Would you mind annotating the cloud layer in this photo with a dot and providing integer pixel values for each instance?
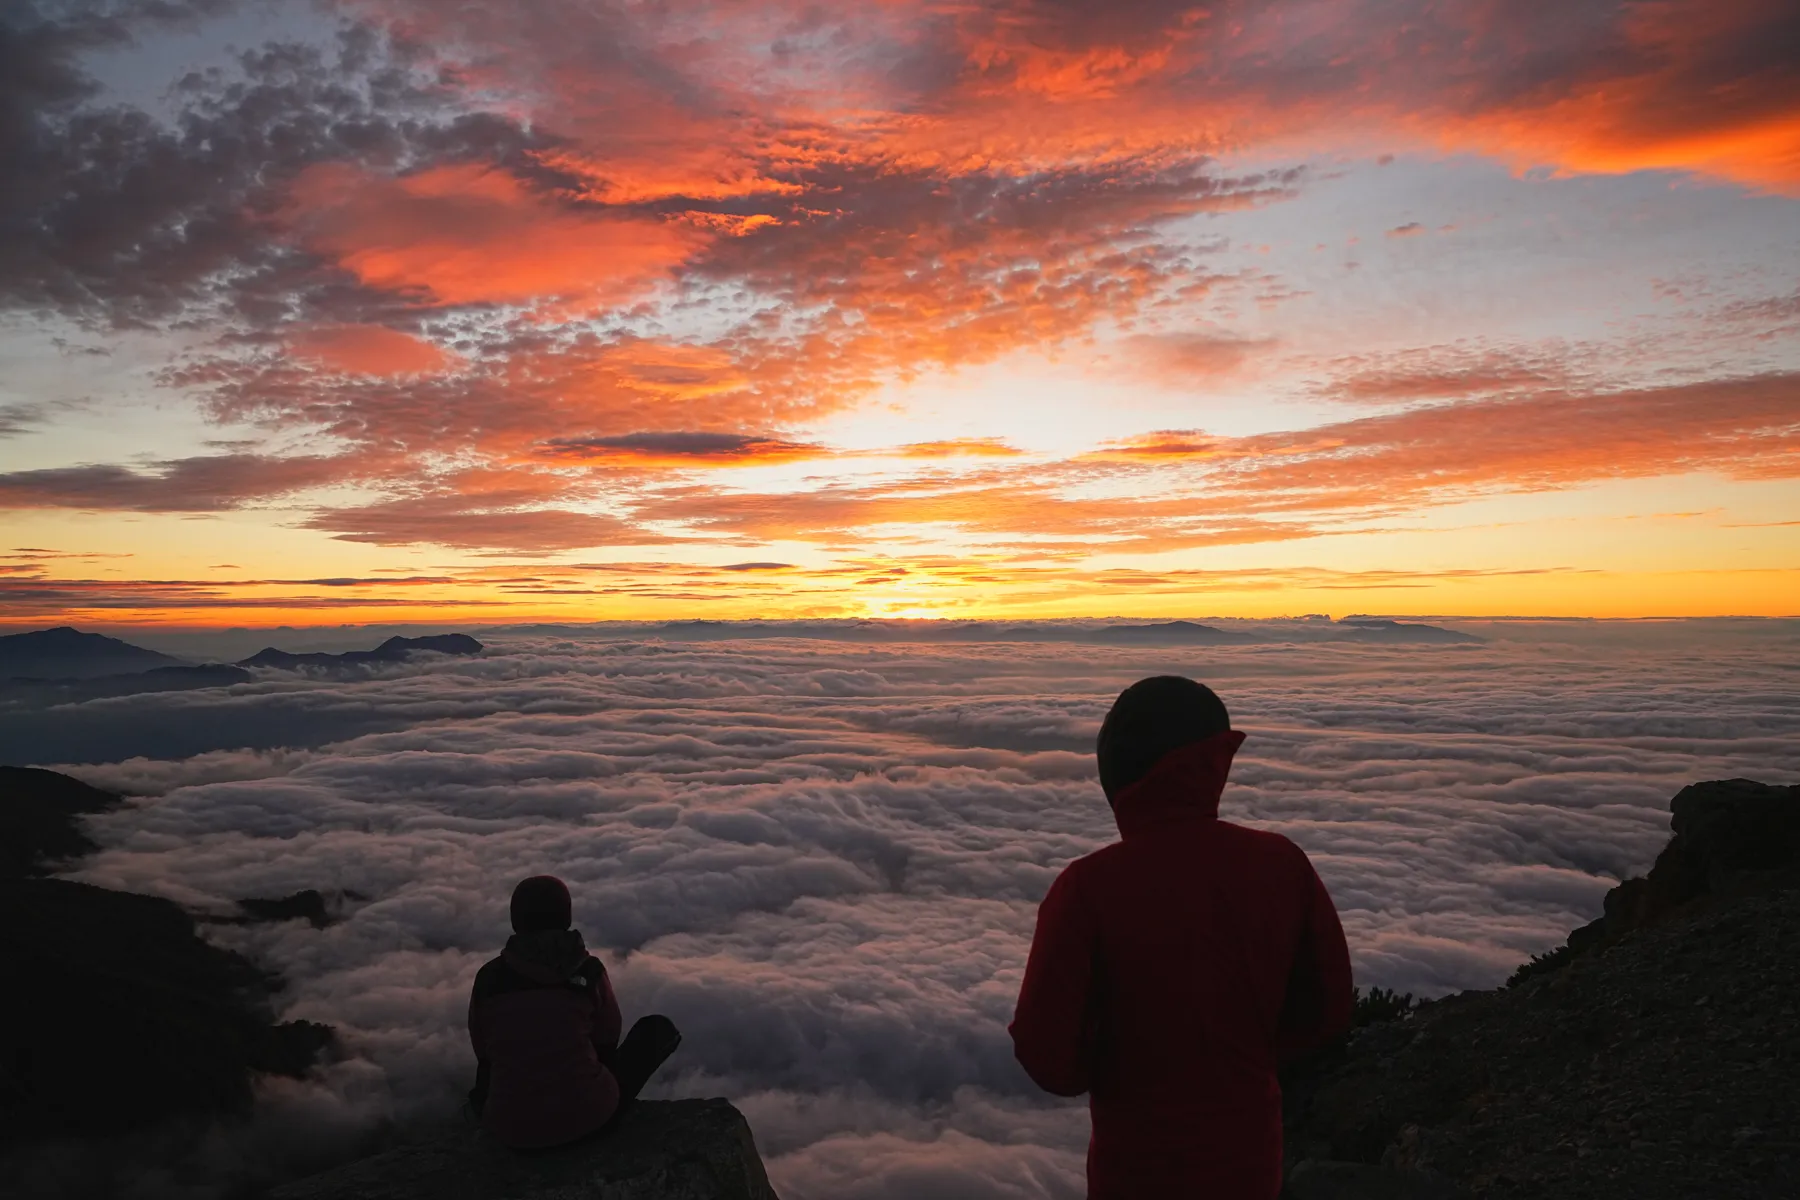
(823, 859)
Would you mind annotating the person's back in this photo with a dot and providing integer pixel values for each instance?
(1172, 968)
(544, 1025)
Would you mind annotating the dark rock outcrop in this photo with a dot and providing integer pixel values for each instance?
(657, 1150)
(1317, 1179)
(115, 1015)
(308, 905)
(40, 815)
(394, 650)
(68, 653)
(1731, 836)
(1655, 1058)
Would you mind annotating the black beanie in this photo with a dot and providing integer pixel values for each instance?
(540, 903)
(1150, 718)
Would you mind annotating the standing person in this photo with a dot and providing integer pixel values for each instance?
(549, 1066)
(1173, 969)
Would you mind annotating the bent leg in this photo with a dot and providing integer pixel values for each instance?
(644, 1049)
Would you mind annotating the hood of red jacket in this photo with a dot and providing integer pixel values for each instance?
(1183, 784)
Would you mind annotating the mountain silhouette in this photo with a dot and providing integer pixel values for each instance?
(1165, 633)
(395, 649)
(68, 653)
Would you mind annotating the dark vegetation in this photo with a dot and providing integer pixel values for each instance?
(1654, 1055)
(114, 1014)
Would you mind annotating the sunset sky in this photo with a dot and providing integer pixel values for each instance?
(496, 311)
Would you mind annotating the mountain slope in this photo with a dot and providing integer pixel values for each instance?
(115, 1014)
(68, 653)
(1654, 1057)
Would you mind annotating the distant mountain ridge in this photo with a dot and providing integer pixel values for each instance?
(395, 649)
(68, 653)
(1367, 630)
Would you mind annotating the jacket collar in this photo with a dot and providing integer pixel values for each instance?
(1184, 784)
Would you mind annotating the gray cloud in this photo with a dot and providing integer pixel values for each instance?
(823, 859)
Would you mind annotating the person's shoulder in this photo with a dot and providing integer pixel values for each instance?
(1265, 842)
(1093, 867)
(1097, 860)
(492, 974)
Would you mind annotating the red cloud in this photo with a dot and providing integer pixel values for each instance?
(1182, 358)
(466, 234)
(369, 350)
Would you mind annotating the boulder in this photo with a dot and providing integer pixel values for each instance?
(1325, 1179)
(657, 1150)
(1731, 836)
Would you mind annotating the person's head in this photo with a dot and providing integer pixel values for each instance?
(1150, 718)
(541, 903)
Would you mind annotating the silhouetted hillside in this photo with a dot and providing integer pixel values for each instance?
(39, 813)
(1653, 1057)
(68, 653)
(115, 1015)
(1166, 633)
(18, 693)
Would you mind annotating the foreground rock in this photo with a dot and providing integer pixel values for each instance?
(659, 1150)
(1655, 1056)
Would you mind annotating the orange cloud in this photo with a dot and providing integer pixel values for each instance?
(465, 523)
(1179, 359)
(987, 447)
(1446, 372)
(1165, 444)
(369, 350)
(468, 234)
(1705, 87)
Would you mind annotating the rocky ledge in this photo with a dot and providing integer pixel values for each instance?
(1653, 1056)
(658, 1150)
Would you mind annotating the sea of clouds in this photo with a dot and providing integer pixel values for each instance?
(823, 859)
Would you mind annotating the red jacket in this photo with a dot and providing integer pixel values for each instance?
(543, 1027)
(1169, 973)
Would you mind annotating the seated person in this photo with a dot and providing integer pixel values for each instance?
(549, 1065)
(1173, 968)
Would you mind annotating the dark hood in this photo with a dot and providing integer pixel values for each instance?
(1183, 785)
(548, 956)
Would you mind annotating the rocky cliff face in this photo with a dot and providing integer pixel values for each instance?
(115, 1014)
(1653, 1056)
(657, 1150)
